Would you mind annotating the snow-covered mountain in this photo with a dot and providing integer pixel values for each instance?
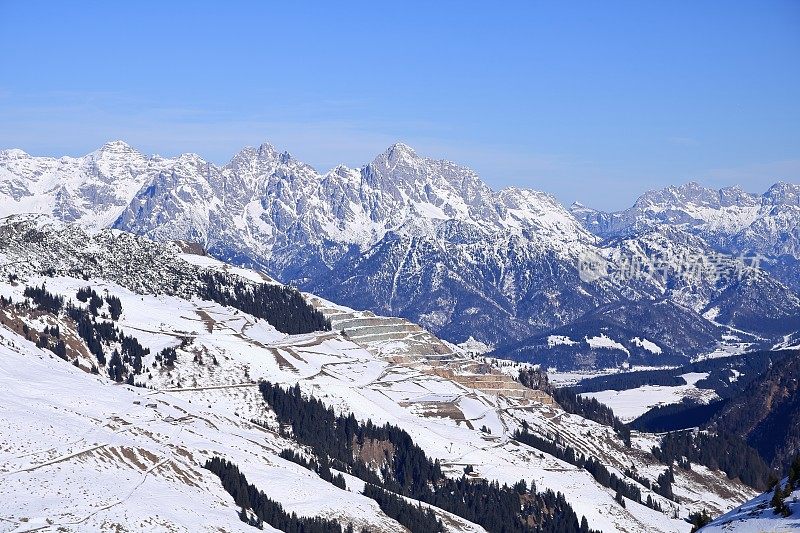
(729, 219)
(404, 235)
(427, 240)
(82, 314)
(92, 189)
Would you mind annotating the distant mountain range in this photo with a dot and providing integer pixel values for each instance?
(684, 272)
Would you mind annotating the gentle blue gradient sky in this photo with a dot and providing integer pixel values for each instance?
(591, 101)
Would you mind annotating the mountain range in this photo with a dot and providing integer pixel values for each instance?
(153, 364)
(685, 272)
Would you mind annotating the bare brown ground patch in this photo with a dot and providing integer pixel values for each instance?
(440, 410)
(133, 455)
(208, 321)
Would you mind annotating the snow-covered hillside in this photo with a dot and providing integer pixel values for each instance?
(630, 404)
(759, 516)
(82, 452)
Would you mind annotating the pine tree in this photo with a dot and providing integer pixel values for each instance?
(699, 520)
(778, 502)
(114, 307)
(116, 369)
(620, 499)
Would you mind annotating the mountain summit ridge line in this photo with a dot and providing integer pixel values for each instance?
(428, 240)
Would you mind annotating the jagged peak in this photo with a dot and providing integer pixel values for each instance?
(265, 151)
(784, 186)
(691, 185)
(342, 170)
(398, 151)
(690, 190)
(191, 157)
(14, 153)
(402, 148)
(733, 188)
(579, 208)
(114, 148)
(780, 192)
(783, 192)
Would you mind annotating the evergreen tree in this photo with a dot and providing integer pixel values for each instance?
(698, 520)
(114, 307)
(620, 499)
(778, 502)
(116, 369)
(43, 299)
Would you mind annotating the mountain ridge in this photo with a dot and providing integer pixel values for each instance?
(412, 236)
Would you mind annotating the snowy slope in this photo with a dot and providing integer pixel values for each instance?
(81, 453)
(757, 516)
(92, 443)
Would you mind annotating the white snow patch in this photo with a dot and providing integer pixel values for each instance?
(633, 403)
(556, 340)
(692, 378)
(602, 341)
(650, 346)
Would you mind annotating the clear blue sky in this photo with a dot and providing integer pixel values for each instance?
(591, 101)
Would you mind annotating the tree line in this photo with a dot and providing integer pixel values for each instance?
(599, 472)
(630, 380)
(249, 497)
(283, 307)
(589, 408)
(406, 470)
(718, 451)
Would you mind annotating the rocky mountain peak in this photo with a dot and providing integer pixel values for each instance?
(400, 151)
(13, 153)
(783, 193)
(404, 235)
(116, 148)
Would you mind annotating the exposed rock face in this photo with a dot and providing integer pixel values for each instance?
(375, 453)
